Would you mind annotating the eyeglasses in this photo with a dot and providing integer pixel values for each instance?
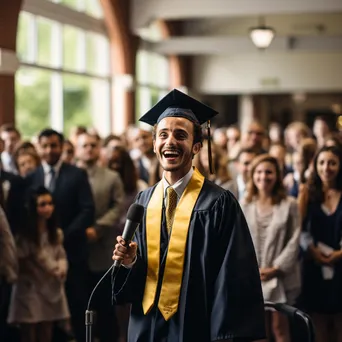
(44, 204)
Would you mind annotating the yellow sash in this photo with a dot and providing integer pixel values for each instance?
(173, 273)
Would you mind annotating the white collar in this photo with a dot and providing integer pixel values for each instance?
(56, 167)
(180, 185)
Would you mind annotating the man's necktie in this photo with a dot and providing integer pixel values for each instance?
(52, 183)
(170, 207)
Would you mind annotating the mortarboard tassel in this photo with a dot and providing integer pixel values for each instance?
(210, 157)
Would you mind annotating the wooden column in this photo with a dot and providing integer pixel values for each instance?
(124, 48)
(9, 14)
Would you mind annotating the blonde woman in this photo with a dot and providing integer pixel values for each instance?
(273, 219)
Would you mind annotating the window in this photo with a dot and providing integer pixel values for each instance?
(90, 7)
(152, 80)
(64, 79)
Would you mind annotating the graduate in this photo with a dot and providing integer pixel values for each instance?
(191, 273)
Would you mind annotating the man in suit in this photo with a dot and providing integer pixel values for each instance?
(11, 137)
(142, 141)
(244, 159)
(108, 195)
(75, 209)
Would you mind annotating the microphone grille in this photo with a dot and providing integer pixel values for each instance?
(135, 212)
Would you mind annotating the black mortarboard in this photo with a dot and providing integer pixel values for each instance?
(178, 104)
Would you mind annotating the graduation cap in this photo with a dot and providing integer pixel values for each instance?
(178, 104)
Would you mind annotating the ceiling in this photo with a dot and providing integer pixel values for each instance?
(221, 26)
(305, 54)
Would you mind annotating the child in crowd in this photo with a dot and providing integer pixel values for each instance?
(38, 298)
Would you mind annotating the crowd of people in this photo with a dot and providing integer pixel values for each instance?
(63, 202)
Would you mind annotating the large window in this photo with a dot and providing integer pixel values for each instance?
(152, 80)
(64, 79)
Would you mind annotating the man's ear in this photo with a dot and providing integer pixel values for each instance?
(196, 148)
(154, 145)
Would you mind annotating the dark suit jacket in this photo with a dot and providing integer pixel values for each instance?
(74, 206)
(14, 202)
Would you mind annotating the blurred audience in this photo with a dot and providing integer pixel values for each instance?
(92, 182)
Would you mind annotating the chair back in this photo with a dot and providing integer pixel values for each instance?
(302, 329)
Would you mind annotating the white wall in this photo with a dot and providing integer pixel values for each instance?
(265, 72)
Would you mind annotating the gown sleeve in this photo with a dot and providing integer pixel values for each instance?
(238, 306)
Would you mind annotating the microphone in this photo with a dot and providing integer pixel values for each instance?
(134, 216)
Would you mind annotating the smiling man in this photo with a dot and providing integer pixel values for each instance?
(191, 274)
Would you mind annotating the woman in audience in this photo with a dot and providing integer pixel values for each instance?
(26, 161)
(38, 298)
(274, 222)
(322, 240)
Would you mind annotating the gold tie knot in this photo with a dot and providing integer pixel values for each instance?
(170, 207)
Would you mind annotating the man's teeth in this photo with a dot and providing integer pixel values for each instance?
(171, 154)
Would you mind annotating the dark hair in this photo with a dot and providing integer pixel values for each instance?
(316, 193)
(29, 231)
(197, 132)
(248, 150)
(77, 130)
(9, 128)
(278, 191)
(49, 132)
(127, 170)
(109, 138)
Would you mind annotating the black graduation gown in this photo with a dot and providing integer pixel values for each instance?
(221, 295)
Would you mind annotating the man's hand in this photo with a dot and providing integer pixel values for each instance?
(121, 252)
(91, 234)
(268, 273)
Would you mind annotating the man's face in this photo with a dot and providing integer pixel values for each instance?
(255, 135)
(143, 141)
(88, 149)
(50, 149)
(174, 144)
(244, 163)
(278, 152)
(233, 136)
(320, 128)
(10, 139)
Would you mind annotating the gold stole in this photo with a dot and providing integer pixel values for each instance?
(173, 273)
